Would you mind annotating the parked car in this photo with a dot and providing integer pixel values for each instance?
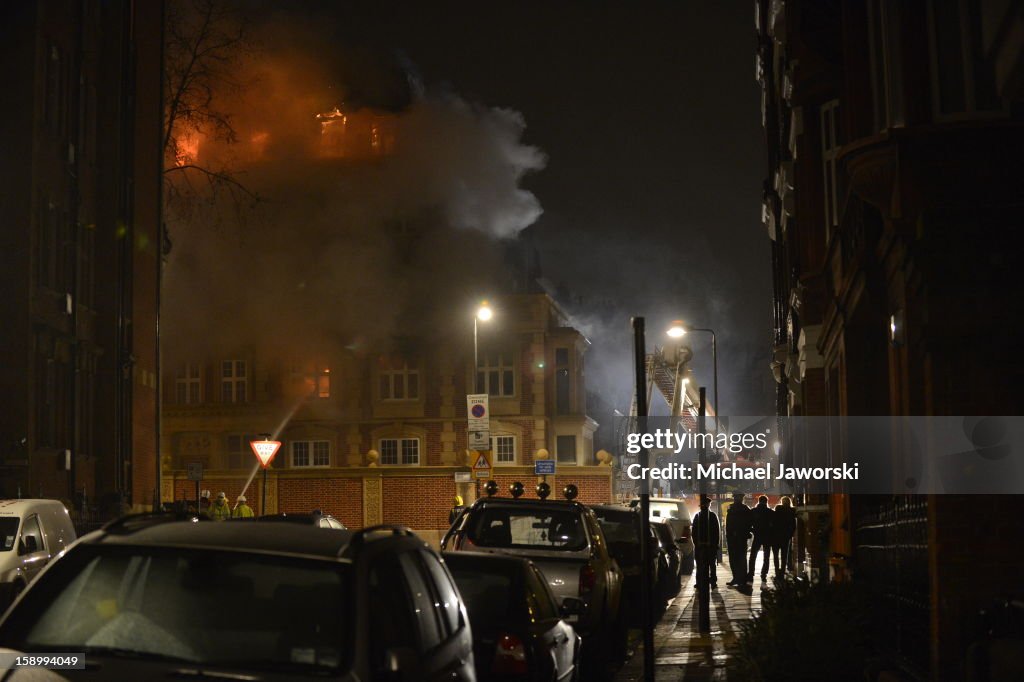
(676, 513)
(671, 576)
(565, 542)
(519, 632)
(32, 532)
(146, 598)
(317, 519)
(621, 527)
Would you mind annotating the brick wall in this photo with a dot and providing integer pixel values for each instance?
(342, 498)
(420, 502)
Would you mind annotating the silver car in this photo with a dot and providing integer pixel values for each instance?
(675, 513)
(564, 540)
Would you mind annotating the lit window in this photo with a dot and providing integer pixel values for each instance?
(311, 453)
(496, 374)
(400, 451)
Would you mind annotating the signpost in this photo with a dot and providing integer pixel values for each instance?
(478, 427)
(265, 450)
(544, 467)
(482, 465)
(478, 421)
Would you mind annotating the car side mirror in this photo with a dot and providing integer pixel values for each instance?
(571, 606)
(401, 664)
(28, 545)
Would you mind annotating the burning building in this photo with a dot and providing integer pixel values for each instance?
(334, 315)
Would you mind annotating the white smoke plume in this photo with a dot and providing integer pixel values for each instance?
(392, 232)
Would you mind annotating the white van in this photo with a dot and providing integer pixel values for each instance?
(31, 533)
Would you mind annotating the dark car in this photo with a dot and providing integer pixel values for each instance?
(518, 629)
(313, 519)
(670, 579)
(145, 598)
(564, 541)
(621, 527)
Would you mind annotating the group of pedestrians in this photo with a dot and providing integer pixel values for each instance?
(220, 510)
(769, 531)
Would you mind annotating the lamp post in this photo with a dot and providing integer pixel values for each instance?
(265, 450)
(678, 330)
(483, 314)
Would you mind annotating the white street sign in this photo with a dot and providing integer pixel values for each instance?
(478, 416)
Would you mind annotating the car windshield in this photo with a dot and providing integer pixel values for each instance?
(8, 533)
(528, 529)
(199, 606)
(487, 594)
(619, 526)
(666, 510)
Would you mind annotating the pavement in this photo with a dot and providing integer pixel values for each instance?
(681, 652)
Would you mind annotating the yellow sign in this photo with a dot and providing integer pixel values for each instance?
(482, 465)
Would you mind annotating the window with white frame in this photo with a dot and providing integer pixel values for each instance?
(400, 451)
(504, 449)
(399, 380)
(311, 453)
(829, 151)
(496, 373)
(233, 381)
(188, 386)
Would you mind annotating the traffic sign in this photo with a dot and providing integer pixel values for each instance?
(265, 450)
(478, 421)
(482, 465)
(195, 471)
(544, 467)
(463, 477)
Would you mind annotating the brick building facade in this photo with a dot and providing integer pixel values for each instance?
(81, 172)
(379, 438)
(894, 138)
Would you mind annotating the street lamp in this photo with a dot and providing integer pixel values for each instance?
(483, 314)
(679, 330)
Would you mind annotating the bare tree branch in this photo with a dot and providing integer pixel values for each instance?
(205, 43)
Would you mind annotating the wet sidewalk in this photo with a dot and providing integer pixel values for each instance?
(681, 651)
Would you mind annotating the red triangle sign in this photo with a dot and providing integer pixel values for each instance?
(265, 450)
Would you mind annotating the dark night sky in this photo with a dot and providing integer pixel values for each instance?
(649, 115)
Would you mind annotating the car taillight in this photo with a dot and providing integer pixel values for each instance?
(588, 579)
(510, 657)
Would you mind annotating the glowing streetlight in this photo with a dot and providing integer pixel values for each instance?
(483, 314)
(679, 330)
